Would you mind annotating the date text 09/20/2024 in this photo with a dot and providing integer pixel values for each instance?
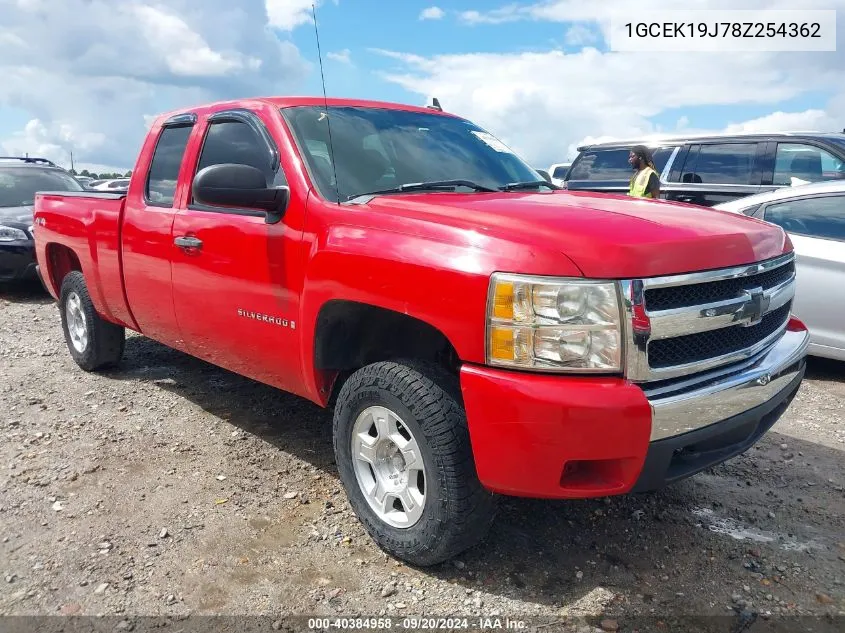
(417, 623)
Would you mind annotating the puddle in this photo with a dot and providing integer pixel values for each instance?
(740, 532)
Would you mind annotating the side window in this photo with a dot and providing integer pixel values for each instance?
(688, 170)
(237, 142)
(608, 164)
(724, 164)
(560, 171)
(822, 217)
(611, 164)
(805, 163)
(164, 168)
(661, 157)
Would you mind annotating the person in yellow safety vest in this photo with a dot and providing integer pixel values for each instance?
(645, 183)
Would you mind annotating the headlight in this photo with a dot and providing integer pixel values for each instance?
(11, 234)
(553, 324)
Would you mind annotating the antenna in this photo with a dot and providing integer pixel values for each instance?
(326, 102)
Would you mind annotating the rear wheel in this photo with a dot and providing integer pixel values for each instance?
(93, 342)
(403, 452)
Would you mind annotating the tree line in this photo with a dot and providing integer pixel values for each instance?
(102, 176)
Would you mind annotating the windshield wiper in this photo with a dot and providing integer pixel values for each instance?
(528, 184)
(432, 185)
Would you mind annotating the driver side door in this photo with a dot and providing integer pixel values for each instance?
(235, 288)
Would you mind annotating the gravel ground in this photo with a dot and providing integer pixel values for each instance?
(170, 487)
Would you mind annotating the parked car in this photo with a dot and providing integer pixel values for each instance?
(85, 181)
(814, 217)
(558, 173)
(475, 330)
(114, 184)
(20, 178)
(709, 170)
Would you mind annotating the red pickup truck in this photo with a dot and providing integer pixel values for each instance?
(476, 331)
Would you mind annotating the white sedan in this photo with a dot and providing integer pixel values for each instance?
(814, 217)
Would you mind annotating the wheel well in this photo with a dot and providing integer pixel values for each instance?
(350, 335)
(62, 261)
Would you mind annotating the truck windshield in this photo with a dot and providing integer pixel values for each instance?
(18, 185)
(377, 149)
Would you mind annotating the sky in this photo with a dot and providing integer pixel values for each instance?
(87, 76)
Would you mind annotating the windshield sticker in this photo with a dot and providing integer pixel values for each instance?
(492, 141)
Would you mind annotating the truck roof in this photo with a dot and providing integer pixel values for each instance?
(292, 101)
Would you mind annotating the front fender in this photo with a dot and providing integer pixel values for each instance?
(441, 280)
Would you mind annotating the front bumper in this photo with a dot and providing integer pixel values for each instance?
(574, 437)
(17, 261)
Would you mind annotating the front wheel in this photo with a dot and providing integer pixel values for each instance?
(403, 452)
(93, 342)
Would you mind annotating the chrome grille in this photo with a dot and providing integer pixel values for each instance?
(685, 324)
(695, 348)
(692, 294)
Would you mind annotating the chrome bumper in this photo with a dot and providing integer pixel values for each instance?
(689, 406)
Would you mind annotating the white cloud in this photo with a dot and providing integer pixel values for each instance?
(185, 51)
(806, 121)
(90, 73)
(288, 14)
(544, 104)
(344, 56)
(432, 13)
(579, 35)
(509, 13)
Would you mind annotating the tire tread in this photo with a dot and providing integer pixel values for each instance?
(433, 397)
(106, 341)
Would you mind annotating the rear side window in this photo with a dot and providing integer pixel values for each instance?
(723, 164)
(822, 217)
(560, 171)
(612, 164)
(805, 163)
(164, 168)
(750, 211)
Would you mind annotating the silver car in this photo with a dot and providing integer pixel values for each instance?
(814, 217)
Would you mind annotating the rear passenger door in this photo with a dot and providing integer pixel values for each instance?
(816, 226)
(237, 279)
(145, 237)
(711, 173)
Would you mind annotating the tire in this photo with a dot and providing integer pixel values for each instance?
(93, 342)
(456, 511)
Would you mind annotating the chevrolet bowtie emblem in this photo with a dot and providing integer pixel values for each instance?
(755, 307)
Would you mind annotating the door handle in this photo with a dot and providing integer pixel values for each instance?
(188, 242)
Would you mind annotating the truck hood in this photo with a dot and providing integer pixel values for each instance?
(606, 236)
(16, 215)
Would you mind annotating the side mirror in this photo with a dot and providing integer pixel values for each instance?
(544, 174)
(236, 185)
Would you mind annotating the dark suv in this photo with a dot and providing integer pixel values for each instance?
(709, 170)
(20, 178)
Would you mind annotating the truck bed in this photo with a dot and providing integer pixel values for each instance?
(88, 224)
